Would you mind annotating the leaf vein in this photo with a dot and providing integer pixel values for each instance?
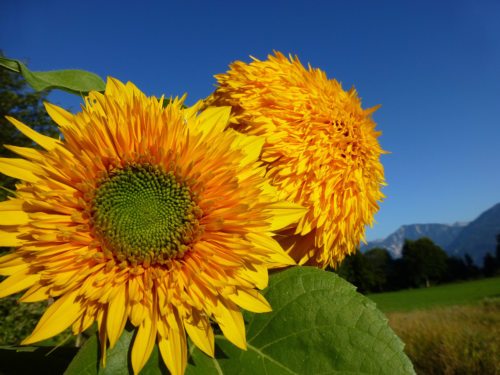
(217, 367)
(270, 359)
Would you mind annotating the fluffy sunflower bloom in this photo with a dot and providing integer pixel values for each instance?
(145, 214)
(321, 150)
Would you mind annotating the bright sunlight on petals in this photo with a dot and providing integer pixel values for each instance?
(144, 212)
(321, 151)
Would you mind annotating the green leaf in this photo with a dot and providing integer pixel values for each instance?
(88, 359)
(319, 325)
(77, 82)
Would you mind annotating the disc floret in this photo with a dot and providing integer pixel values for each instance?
(142, 213)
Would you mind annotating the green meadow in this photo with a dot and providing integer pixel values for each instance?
(461, 293)
(448, 329)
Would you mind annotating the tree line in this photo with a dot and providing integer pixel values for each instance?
(19, 101)
(422, 264)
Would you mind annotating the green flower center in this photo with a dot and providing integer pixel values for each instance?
(144, 214)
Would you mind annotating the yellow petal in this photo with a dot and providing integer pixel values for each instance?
(26, 152)
(117, 316)
(12, 205)
(250, 300)
(173, 348)
(258, 275)
(201, 334)
(9, 239)
(18, 168)
(11, 264)
(137, 313)
(11, 270)
(193, 110)
(35, 294)
(212, 120)
(143, 344)
(251, 145)
(230, 321)
(59, 316)
(13, 218)
(10, 259)
(17, 282)
(47, 143)
(60, 116)
(285, 213)
(101, 328)
(114, 87)
(87, 319)
(277, 254)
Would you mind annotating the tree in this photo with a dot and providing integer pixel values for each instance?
(457, 269)
(471, 269)
(498, 250)
(397, 277)
(358, 271)
(424, 261)
(17, 100)
(489, 265)
(380, 261)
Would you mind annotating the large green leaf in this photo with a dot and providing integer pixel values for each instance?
(77, 82)
(319, 325)
(88, 362)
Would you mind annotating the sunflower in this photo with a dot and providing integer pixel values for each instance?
(321, 151)
(142, 213)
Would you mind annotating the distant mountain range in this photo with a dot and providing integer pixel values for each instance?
(441, 234)
(475, 238)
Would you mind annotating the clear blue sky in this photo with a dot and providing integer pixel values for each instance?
(433, 65)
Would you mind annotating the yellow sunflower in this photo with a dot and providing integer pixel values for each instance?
(142, 213)
(321, 150)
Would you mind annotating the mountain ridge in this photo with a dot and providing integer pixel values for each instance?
(475, 238)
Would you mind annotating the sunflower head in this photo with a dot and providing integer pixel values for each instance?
(321, 151)
(143, 213)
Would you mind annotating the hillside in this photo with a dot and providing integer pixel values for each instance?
(440, 234)
(479, 237)
(475, 238)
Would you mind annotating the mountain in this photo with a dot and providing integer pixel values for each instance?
(479, 237)
(441, 234)
(475, 238)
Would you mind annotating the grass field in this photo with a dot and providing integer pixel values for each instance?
(451, 340)
(448, 329)
(443, 295)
